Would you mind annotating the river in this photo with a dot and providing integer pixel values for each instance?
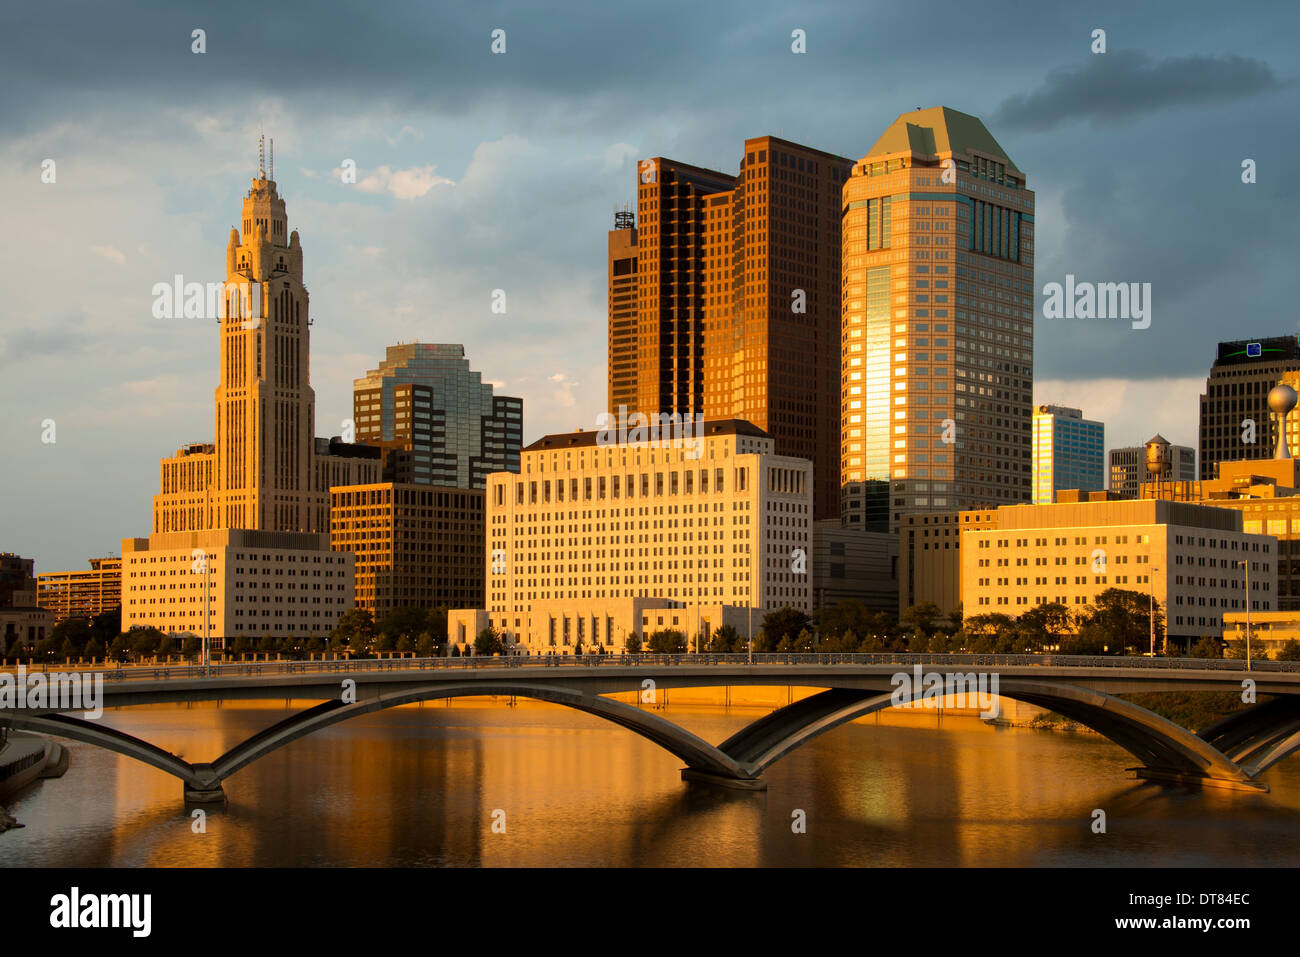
(424, 786)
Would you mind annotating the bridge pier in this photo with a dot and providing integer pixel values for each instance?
(1167, 776)
(740, 784)
(204, 787)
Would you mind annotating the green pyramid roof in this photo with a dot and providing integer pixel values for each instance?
(939, 130)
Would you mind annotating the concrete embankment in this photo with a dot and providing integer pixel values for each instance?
(24, 759)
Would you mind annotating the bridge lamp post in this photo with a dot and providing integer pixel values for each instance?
(1246, 565)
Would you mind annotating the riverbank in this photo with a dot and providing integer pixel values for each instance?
(25, 759)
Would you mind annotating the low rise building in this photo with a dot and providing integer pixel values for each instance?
(1187, 556)
(84, 593)
(232, 582)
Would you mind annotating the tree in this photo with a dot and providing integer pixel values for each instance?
(1290, 651)
(191, 645)
(1092, 638)
(488, 642)
(144, 641)
(425, 646)
(668, 641)
(46, 647)
(94, 648)
(724, 640)
(920, 618)
(405, 645)
(784, 623)
(1207, 647)
(120, 648)
(1043, 625)
(242, 645)
(356, 629)
(632, 643)
(403, 620)
(72, 633)
(1124, 619)
(166, 646)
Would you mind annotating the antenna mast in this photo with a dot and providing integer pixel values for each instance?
(261, 154)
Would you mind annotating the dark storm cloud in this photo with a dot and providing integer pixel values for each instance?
(1125, 84)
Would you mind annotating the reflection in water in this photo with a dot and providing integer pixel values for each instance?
(418, 785)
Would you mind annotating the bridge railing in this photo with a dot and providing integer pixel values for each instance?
(657, 660)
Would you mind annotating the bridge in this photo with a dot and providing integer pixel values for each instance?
(1231, 753)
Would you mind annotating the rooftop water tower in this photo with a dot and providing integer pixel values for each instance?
(1282, 399)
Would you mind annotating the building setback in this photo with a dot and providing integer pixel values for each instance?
(937, 360)
(1235, 419)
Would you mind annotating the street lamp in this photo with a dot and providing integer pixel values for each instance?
(1246, 565)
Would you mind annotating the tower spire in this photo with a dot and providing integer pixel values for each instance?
(261, 153)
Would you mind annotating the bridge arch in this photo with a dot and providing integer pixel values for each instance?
(1155, 741)
(1262, 736)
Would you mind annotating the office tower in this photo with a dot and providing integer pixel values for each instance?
(670, 286)
(623, 312)
(937, 350)
(1148, 546)
(1235, 419)
(446, 426)
(1128, 467)
(416, 545)
(254, 502)
(1069, 452)
(738, 298)
(599, 533)
(261, 472)
(82, 593)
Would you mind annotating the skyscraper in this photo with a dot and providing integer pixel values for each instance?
(254, 502)
(263, 471)
(425, 401)
(738, 298)
(937, 366)
(1069, 452)
(1235, 419)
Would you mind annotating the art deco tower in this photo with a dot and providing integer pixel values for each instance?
(264, 404)
(264, 470)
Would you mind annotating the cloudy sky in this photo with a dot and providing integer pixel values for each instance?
(479, 171)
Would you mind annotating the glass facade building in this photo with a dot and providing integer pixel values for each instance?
(438, 422)
(1069, 452)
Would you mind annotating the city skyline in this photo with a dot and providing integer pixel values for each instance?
(443, 213)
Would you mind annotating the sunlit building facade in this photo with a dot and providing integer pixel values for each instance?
(937, 332)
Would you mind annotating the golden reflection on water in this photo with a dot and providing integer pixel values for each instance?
(419, 785)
